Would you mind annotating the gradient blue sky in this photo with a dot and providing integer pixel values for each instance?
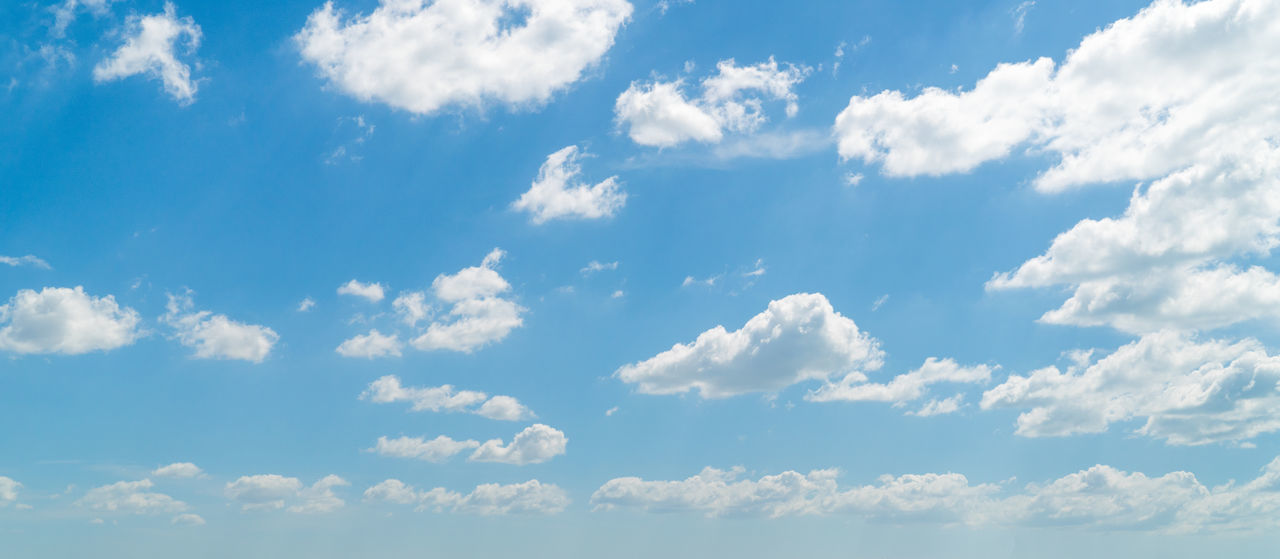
(264, 178)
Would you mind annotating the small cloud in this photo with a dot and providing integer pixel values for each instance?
(1019, 14)
(373, 292)
(187, 520)
(664, 5)
(875, 306)
(178, 470)
(596, 266)
(618, 294)
(609, 412)
(853, 179)
(306, 305)
(690, 280)
(28, 260)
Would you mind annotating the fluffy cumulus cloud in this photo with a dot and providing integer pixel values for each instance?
(373, 292)
(947, 497)
(1100, 497)
(423, 56)
(65, 320)
(905, 387)
(797, 338)
(178, 470)
(319, 497)
(151, 49)
(1185, 390)
(214, 336)
(479, 312)
(8, 491)
(1179, 93)
(1174, 85)
(437, 450)
(388, 389)
(1161, 263)
(372, 345)
(530, 497)
(732, 101)
(272, 492)
(535, 444)
(134, 497)
(557, 194)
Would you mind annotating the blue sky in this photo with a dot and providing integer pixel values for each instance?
(578, 278)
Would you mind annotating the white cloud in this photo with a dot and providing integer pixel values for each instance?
(1189, 392)
(939, 407)
(690, 280)
(130, 497)
(1174, 85)
(1160, 264)
(479, 315)
(1019, 14)
(597, 266)
(392, 491)
(178, 470)
(1181, 93)
(903, 388)
(372, 345)
(530, 497)
(187, 519)
(262, 492)
(1100, 497)
(535, 444)
(373, 292)
(8, 491)
(942, 497)
(412, 307)
(504, 408)
(879, 302)
(306, 304)
(423, 57)
(557, 194)
(28, 260)
(65, 320)
(150, 49)
(438, 449)
(319, 498)
(939, 131)
(664, 5)
(798, 338)
(659, 114)
(387, 389)
(65, 12)
(214, 336)
(272, 492)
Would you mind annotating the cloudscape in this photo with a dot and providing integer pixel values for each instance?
(639, 278)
